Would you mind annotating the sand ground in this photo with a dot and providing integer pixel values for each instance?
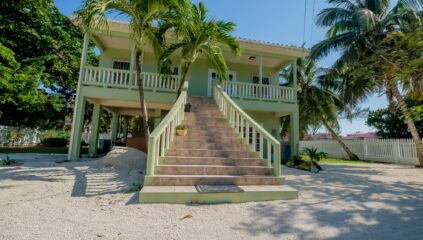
(42, 199)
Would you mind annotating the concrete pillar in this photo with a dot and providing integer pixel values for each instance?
(133, 57)
(95, 124)
(115, 123)
(294, 136)
(294, 68)
(79, 108)
(125, 128)
(157, 117)
(260, 69)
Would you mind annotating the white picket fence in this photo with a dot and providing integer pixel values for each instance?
(12, 136)
(398, 151)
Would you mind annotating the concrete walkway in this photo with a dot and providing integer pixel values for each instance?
(46, 200)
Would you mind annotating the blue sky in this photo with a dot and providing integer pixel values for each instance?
(280, 21)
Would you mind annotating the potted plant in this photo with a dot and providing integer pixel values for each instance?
(181, 130)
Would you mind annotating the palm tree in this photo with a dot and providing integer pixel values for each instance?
(355, 27)
(317, 103)
(144, 16)
(196, 35)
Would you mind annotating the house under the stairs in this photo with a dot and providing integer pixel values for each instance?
(233, 126)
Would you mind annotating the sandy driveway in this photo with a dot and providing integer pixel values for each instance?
(45, 200)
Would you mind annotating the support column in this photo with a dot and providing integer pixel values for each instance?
(133, 57)
(115, 123)
(294, 136)
(261, 69)
(95, 124)
(125, 128)
(294, 68)
(79, 108)
(157, 117)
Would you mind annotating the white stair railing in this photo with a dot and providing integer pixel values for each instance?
(255, 136)
(163, 135)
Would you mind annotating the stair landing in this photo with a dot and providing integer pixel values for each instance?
(189, 194)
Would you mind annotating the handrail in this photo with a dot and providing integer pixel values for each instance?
(126, 78)
(242, 122)
(164, 134)
(260, 91)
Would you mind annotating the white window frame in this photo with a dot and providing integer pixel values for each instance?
(209, 84)
(258, 76)
(123, 61)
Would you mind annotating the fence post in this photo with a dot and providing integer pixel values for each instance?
(395, 146)
(365, 149)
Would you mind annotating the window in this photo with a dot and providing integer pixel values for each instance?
(121, 65)
(120, 77)
(174, 71)
(264, 80)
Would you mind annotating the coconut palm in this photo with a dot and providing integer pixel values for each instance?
(355, 28)
(196, 35)
(317, 103)
(144, 17)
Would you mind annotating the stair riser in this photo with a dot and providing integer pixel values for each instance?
(199, 170)
(192, 181)
(211, 134)
(209, 153)
(209, 138)
(212, 161)
(229, 147)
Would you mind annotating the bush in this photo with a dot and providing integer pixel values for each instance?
(181, 127)
(54, 142)
(8, 162)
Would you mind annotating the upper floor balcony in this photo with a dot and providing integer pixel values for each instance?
(114, 79)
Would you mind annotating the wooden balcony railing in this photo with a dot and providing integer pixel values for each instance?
(125, 79)
(260, 92)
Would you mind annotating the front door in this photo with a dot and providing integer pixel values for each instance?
(214, 78)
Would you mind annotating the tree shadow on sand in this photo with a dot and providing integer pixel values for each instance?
(343, 202)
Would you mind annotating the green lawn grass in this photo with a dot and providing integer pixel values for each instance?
(335, 160)
(55, 150)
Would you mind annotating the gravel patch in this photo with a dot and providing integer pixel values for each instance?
(84, 200)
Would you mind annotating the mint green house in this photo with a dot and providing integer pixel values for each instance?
(251, 101)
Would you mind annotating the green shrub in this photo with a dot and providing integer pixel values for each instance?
(181, 127)
(8, 162)
(54, 142)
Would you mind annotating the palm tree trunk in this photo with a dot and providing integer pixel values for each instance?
(411, 126)
(140, 82)
(350, 154)
(184, 77)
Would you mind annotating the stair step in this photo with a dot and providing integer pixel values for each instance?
(177, 160)
(210, 146)
(212, 170)
(192, 180)
(209, 153)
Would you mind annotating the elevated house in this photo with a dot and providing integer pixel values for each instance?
(233, 126)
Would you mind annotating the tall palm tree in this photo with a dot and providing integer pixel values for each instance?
(144, 16)
(197, 34)
(355, 27)
(318, 105)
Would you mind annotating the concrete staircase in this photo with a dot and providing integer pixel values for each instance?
(211, 154)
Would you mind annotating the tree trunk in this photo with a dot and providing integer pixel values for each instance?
(350, 154)
(140, 82)
(184, 77)
(411, 126)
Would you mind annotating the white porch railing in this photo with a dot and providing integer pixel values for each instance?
(114, 78)
(259, 91)
(164, 134)
(255, 136)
